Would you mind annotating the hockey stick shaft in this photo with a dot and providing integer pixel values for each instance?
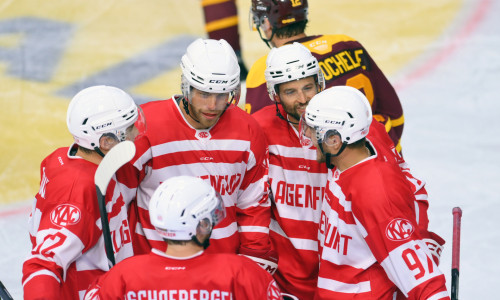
(455, 257)
(114, 160)
(4, 294)
(108, 246)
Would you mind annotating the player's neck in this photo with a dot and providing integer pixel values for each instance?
(349, 157)
(186, 250)
(93, 156)
(278, 42)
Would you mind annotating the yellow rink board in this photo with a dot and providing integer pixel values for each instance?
(95, 38)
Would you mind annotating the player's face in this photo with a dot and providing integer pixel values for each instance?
(307, 136)
(295, 95)
(207, 107)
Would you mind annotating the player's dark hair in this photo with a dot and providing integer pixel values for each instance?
(84, 150)
(176, 242)
(357, 144)
(291, 30)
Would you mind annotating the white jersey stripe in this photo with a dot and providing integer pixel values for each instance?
(293, 152)
(275, 226)
(221, 233)
(342, 287)
(441, 295)
(300, 244)
(254, 229)
(214, 145)
(41, 272)
(304, 244)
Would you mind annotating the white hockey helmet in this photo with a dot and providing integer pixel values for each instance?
(211, 66)
(99, 110)
(180, 203)
(341, 110)
(288, 63)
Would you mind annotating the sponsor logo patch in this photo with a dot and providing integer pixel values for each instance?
(399, 230)
(65, 214)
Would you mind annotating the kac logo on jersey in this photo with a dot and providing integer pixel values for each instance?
(399, 230)
(203, 135)
(65, 214)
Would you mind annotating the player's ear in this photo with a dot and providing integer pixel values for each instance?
(333, 140)
(266, 25)
(204, 227)
(106, 142)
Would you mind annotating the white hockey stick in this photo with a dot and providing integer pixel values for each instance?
(112, 161)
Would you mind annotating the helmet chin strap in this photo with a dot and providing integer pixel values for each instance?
(186, 109)
(267, 41)
(98, 150)
(278, 114)
(329, 156)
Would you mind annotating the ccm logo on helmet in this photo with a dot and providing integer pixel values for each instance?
(218, 81)
(334, 122)
(103, 126)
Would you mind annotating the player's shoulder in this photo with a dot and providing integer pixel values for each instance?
(378, 175)
(59, 164)
(234, 261)
(154, 107)
(256, 74)
(238, 118)
(266, 115)
(322, 44)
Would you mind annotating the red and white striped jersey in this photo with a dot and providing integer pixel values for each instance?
(370, 243)
(65, 229)
(232, 156)
(297, 184)
(201, 276)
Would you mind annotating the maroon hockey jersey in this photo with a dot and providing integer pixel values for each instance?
(344, 61)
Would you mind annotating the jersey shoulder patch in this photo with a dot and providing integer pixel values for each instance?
(323, 43)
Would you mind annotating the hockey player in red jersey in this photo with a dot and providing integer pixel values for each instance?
(65, 229)
(203, 133)
(184, 210)
(370, 243)
(342, 59)
(297, 181)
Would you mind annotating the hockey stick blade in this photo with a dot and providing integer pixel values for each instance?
(455, 257)
(4, 294)
(112, 161)
(118, 156)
